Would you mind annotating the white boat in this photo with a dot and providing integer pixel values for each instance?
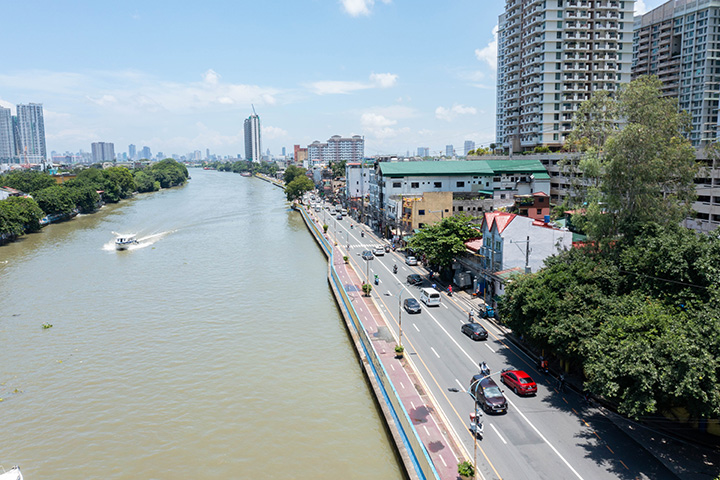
(12, 474)
(123, 242)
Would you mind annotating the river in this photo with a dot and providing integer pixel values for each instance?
(213, 349)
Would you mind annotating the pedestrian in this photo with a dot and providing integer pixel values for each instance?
(561, 382)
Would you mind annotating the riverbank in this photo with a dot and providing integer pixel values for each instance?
(274, 181)
(428, 453)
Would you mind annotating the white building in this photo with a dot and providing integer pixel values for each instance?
(552, 54)
(7, 137)
(337, 149)
(253, 143)
(31, 133)
(469, 145)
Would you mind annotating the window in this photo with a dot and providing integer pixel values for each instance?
(539, 211)
(460, 208)
(438, 184)
(460, 184)
(415, 185)
(421, 212)
(397, 184)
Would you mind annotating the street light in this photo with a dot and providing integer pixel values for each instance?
(477, 419)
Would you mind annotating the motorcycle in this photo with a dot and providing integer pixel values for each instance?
(351, 226)
(476, 426)
(394, 268)
(449, 292)
(377, 280)
(362, 234)
(543, 366)
(484, 369)
(387, 248)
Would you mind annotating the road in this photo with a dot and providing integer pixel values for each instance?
(548, 436)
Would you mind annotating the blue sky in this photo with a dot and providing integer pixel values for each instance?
(181, 76)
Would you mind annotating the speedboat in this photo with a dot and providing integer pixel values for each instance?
(12, 474)
(123, 242)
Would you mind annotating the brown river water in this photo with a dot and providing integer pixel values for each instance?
(211, 350)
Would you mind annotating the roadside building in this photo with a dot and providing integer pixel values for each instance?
(535, 206)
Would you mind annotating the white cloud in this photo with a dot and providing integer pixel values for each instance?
(211, 77)
(379, 126)
(355, 8)
(640, 8)
(489, 53)
(272, 133)
(374, 120)
(448, 114)
(333, 87)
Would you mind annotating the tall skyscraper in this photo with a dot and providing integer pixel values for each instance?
(253, 147)
(132, 152)
(449, 150)
(145, 153)
(103, 152)
(675, 41)
(31, 129)
(467, 146)
(423, 152)
(552, 55)
(7, 137)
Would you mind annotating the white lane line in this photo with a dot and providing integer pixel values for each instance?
(402, 386)
(416, 328)
(392, 366)
(426, 430)
(413, 405)
(436, 353)
(498, 433)
(461, 385)
(491, 349)
(442, 460)
(444, 306)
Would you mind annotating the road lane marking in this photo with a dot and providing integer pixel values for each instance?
(443, 460)
(461, 385)
(392, 366)
(623, 464)
(413, 405)
(491, 349)
(426, 430)
(611, 451)
(416, 328)
(498, 433)
(402, 386)
(444, 306)
(436, 353)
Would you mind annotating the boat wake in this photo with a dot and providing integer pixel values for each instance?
(142, 242)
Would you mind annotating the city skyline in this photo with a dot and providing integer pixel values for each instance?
(179, 93)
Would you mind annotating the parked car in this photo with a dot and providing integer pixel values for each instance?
(412, 261)
(411, 305)
(519, 382)
(488, 394)
(379, 251)
(367, 255)
(414, 279)
(474, 331)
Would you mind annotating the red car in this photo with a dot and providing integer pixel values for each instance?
(519, 382)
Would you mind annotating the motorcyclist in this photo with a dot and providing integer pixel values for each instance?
(543, 364)
(362, 234)
(484, 369)
(394, 268)
(450, 290)
(471, 316)
(351, 225)
(377, 280)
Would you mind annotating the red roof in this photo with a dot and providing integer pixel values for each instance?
(501, 219)
(474, 244)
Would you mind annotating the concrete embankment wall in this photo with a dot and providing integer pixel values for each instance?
(275, 182)
(413, 452)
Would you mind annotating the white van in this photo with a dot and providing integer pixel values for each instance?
(429, 296)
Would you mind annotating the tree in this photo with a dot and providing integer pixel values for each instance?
(55, 200)
(291, 172)
(27, 181)
(297, 187)
(643, 172)
(338, 169)
(441, 242)
(145, 182)
(19, 215)
(86, 198)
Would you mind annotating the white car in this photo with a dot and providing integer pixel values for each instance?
(412, 261)
(379, 251)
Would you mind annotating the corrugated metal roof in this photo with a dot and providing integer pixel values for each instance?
(463, 167)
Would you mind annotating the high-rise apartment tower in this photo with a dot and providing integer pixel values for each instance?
(253, 147)
(678, 42)
(31, 132)
(7, 137)
(552, 54)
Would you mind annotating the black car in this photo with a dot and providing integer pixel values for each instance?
(414, 279)
(474, 331)
(488, 394)
(367, 255)
(411, 305)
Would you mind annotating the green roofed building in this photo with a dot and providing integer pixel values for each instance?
(483, 183)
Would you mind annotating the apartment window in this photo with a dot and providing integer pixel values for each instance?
(397, 184)
(559, 25)
(558, 56)
(460, 184)
(539, 211)
(557, 107)
(438, 184)
(415, 185)
(460, 208)
(421, 212)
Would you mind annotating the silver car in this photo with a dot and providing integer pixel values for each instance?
(412, 261)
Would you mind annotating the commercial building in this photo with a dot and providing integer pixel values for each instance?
(469, 145)
(7, 137)
(30, 133)
(677, 41)
(423, 152)
(337, 149)
(132, 152)
(253, 145)
(103, 152)
(552, 54)
(449, 151)
(145, 153)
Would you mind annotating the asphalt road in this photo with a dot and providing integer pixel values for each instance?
(551, 435)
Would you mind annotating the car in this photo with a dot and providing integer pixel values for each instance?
(411, 305)
(317, 209)
(339, 216)
(518, 381)
(487, 394)
(379, 251)
(412, 261)
(414, 279)
(474, 331)
(367, 255)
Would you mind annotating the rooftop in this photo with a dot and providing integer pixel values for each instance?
(463, 167)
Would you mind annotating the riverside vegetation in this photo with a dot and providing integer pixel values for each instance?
(85, 193)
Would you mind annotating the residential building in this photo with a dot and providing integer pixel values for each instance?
(132, 152)
(535, 206)
(31, 133)
(337, 149)
(145, 153)
(102, 152)
(676, 42)
(449, 151)
(357, 186)
(253, 143)
(552, 55)
(469, 145)
(7, 136)
(301, 157)
(499, 180)
(423, 152)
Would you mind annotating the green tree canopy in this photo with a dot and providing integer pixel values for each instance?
(19, 215)
(291, 172)
(27, 181)
(338, 169)
(54, 200)
(297, 187)
(441, 242)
